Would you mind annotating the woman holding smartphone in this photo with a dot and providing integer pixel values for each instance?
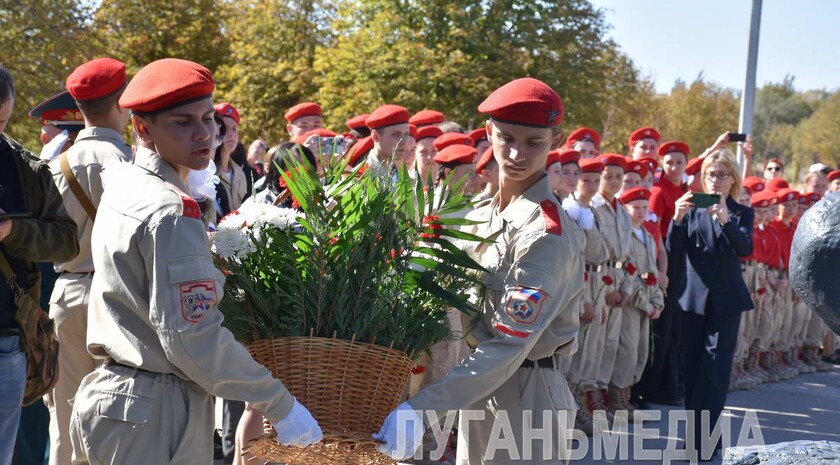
(706, 245)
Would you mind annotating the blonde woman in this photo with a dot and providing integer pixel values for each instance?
(705, 246)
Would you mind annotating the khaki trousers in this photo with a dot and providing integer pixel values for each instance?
(492, 431)
(763, 317)
(612, 333)
(816, 330)
(68, 307)
(124, 416)
(586, 352)
(784, 316)
(633, 347)
(592, 347)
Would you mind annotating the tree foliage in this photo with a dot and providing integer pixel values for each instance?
(42, 41)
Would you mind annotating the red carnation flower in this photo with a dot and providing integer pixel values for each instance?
(650, 279)
(419, 369)
(585, 276)
(607, 280)
(761, 291)
(631, 269)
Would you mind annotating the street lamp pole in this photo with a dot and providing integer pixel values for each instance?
(748, 95)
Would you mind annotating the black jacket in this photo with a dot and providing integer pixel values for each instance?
(707, 259)
(49, 234)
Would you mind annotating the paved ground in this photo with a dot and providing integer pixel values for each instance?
(804, 408)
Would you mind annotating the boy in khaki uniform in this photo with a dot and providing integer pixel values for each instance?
(615, 226)
(529, 315)
(96, 86)
(646, 302)
(153, 316)
(593, 319)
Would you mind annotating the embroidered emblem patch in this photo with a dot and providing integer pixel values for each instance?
(196, 299)
(189, 206)
(524, 305)
(551, 216)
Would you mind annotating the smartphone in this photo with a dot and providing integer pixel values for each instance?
(14, 215)
(705, 200)
(737, 137)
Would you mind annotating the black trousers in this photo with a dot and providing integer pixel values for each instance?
(660, 381)
(708, 350)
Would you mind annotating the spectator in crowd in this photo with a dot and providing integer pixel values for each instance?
(774, 168)
(256, 154)
(41, 232)
(815, 181)
(230, 174)
(706, 245)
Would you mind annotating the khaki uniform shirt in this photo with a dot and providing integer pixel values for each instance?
(94, 147)
(155, 291)
(616, 229)
(644, 297)
(532, 293)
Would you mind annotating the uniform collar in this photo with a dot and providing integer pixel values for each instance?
(103, 134)
(523, 208)
(151, 161)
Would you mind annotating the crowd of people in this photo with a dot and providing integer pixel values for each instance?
(646, 277)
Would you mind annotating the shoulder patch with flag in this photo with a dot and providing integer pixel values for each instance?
(524, 304)
(196, 299)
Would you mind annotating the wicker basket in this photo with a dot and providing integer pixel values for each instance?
(349, 387)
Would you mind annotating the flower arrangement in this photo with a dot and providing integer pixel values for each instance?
(367, 257)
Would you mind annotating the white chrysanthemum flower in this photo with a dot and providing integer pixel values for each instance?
(232, 243)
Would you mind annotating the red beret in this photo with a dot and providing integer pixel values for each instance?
(426, 117)
(803, 199)
(650, 163)
(358, 151)
(564, 158)
(764, 198)
(833, 175)
(165, 84)
(613, 159)
(674, 146)
(357, 121)
(693, 166)
(787, 195)
(636, 193)
(486, 157)
(320, 132)
(813, 197)
(774, 160)
(226, 109)
(302, 109)
(412, 131)
(96, 78)
(524, 101)
(387, 115)
(583, 134)
(643, 133)
(634, 166)
(457, 154)
(591, 165)
(777, 184)
(429, 131)
(478, 134)
(754, 184)
(452, 138)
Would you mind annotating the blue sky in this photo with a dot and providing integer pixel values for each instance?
(678, 39)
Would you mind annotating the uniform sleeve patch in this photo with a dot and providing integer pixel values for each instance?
(551, 216)
(524, 305)
(189, 206)
(196, 299)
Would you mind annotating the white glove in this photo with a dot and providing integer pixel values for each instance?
(299, 428)
(402, 432)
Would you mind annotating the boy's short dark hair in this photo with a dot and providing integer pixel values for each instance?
(7, 85)
(98, 108)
